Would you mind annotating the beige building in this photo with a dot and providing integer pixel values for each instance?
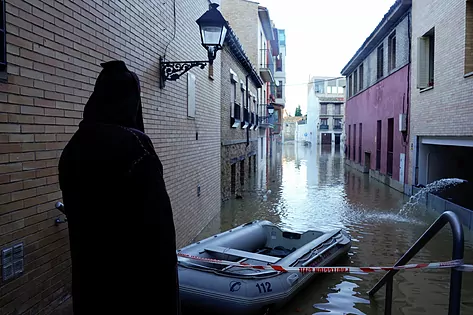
(253, 26)
(53, 55)
(239, 123)
(441, 115)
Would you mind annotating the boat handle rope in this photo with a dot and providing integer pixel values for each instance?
(458, 264)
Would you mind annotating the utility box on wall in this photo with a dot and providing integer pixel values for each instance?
(402, 122)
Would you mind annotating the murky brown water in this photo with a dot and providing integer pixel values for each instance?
(313, 189)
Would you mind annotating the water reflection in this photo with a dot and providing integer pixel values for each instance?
(312, 188)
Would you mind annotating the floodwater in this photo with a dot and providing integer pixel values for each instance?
(311, 188)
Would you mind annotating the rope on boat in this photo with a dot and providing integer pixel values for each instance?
(335, 269)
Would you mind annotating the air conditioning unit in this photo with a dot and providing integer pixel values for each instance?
(402, 122)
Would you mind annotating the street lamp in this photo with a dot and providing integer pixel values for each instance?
(213, 29)
(270, 109)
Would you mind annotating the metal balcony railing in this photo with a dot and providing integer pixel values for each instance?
(267, 60)
(323, 127)
(337, 127)
(455, 273)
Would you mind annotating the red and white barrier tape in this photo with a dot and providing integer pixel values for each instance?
(438, 265)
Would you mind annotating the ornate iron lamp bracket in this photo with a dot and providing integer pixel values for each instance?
(171, 71)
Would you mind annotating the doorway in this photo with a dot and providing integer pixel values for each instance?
(337, 138)
(326, 138)
(378, 145)
(390, 157)
(233, 179)
(367, 165)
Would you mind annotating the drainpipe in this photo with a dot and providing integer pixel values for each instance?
(408, 101)
(247, 107)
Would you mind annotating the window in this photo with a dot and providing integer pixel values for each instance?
(233, 91)
(361, 73)
(319, 86)
(3, 45)
(469, 37)
(338, 109)
(355, 82)
(350, 79)
(324, 121)
(279, 63)
(392, 51)
(235, 109)
(380, 62)
(279, 89)
(337, 123)
(425, 60)
(323, 109)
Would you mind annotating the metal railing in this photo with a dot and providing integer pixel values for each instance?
(457, 254)
(267, 60)
(323, 127)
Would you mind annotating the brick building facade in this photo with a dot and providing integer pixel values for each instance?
(441, 82)
(54, 50)
(239, 118)
(378, 99)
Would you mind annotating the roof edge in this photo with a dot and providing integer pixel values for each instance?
(397, 10)
(263, 14)
(236, 48)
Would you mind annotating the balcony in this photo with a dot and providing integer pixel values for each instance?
(266, 66)
(266, 122)
(337, 127)
(323, 127)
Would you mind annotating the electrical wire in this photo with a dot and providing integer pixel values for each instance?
(174, 31)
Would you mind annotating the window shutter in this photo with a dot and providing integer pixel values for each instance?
(190, 95)
(422, 62)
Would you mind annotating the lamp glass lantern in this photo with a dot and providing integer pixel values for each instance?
(270, 109)
(213, 29)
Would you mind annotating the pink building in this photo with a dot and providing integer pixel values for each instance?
(377, 107)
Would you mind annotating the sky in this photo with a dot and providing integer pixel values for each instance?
(321, 37)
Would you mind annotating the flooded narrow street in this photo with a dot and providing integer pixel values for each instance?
(311, 188)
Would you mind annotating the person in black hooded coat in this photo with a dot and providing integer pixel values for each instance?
(121, 227)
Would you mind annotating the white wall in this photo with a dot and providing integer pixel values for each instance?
(301, 130)
(313, 110)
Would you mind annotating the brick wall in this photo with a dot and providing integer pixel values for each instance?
(234, 149)
(54, 51)
(444, 110)
(244, 20)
